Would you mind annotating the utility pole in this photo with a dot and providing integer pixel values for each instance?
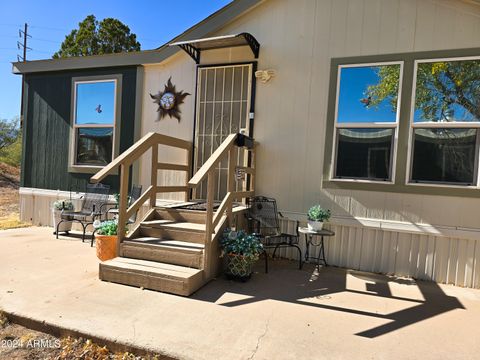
(23, 33)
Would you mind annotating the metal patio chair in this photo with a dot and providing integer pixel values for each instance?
(135, 194)
(96, 195)
(263, 220)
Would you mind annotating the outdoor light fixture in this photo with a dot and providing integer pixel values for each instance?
(265, 75)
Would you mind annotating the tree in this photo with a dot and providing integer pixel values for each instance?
(9, 132)
(96, 38)
(444, 90)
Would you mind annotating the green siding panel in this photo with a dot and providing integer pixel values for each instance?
(47, 128)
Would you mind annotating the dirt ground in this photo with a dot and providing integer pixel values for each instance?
(20, 343)
(9, 199)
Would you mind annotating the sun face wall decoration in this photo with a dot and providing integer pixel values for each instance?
(169, 100)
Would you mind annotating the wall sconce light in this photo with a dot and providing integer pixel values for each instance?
(265, 75)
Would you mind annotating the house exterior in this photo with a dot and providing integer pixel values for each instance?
(404, 193)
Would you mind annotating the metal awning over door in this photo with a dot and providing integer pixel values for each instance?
(194, 48)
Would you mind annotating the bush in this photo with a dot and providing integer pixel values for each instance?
(12, 154)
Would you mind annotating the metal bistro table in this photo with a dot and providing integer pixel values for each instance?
(309, 234)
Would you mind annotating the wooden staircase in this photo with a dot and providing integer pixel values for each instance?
(174, 250)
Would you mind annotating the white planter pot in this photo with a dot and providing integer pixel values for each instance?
(315, 225)
(64, 226)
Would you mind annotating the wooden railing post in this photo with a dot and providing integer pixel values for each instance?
(232, 157)
(188, 173)
(209, 221)
(153, 196)
(122, 206)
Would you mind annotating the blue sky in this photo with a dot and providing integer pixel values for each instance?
(154, 22)
(95, 103)
(354, 82)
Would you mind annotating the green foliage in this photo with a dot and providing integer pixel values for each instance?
(439, 87)
(96, 38)
(241, 243)
(9, 132)
(387, 88)
(12, 154)
(109, 227)
(317, 213)
(63, 205)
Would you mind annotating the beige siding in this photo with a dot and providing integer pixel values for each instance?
(298, 39)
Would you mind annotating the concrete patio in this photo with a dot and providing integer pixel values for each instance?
(286, 314)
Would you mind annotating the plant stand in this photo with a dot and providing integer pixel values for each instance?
(238, 267)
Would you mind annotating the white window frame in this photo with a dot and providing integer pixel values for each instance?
(117, 80)
(443, 125)
(371, 125)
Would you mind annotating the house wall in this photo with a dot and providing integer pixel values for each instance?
(376, 231)
(46, 128)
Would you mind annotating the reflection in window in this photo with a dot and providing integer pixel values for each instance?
(444, 155)
(447, 91)
(368, 94)
(364, 153)
(94, 146)
(366, 121)
(94, 122)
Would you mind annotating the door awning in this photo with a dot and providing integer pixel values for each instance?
(195, 47)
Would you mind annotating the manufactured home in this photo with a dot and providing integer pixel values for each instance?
(367, 107)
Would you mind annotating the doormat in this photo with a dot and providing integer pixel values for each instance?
(200, 206)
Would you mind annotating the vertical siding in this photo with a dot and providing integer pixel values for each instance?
(47, 128)
(442, 259)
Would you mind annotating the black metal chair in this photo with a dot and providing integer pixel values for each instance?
(263, 220)
(95, 196)
(135, 194)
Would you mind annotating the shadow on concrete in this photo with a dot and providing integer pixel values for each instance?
(285, 283)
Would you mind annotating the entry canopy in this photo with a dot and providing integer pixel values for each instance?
(195, 47)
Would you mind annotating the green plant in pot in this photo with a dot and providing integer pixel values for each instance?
(106, 238)
(317, 216)
(241, 251)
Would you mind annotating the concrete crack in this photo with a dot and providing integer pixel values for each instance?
(259, 340)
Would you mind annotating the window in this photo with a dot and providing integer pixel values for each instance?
(445, 122)
(366, 121)
(94, 122)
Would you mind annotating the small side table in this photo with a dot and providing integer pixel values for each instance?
(309, 234)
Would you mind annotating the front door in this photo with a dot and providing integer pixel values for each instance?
(223, 106)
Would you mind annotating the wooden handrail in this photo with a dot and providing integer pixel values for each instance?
(137, 149)
(141, 145)
(139, 202)
(213, 160)
(150, 142)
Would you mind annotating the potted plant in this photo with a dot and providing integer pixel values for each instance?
(240, 250)
(106, 238)
(58, 207)
(317, 216)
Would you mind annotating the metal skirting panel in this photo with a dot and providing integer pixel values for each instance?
(441, 259)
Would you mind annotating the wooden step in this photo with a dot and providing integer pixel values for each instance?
(179, 215)
(166, 251)
(152, 275)
(171, 230)
(175, 225)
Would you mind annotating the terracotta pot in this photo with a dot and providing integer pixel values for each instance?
(106, 246)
